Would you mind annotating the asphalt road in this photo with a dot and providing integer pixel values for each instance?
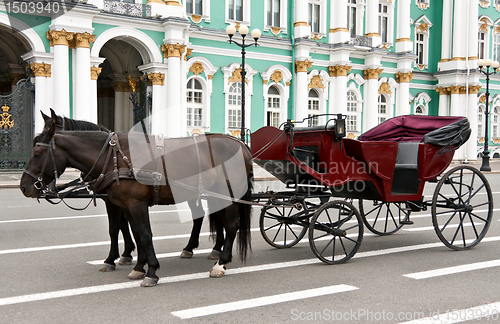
(50, 259)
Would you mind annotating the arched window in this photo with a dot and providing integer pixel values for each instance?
(420, 110)
(234, 101)
(352, 111)
(382, 109)
(313, 108)
(494, 123)
(194, 98)
(273, 107)
(351, 17)
(480, 131)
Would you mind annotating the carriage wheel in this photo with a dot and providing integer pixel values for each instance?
(279, 226)
(335, 232)
(383, 218)
(462, 208)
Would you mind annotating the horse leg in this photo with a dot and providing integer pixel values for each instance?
(138, 272)
(126, 257)
(114, 213)
(231, 226)
(194, 240)
(219, 237)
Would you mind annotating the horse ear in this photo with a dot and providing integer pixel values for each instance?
(45, 117)
(53, 115)
(52, 129)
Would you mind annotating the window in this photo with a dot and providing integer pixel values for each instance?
(494, 123)
(273, 107)
(194, 98)
(420, 44)
(314, 17)
(496, 47)
(383, 21)
(273, 13)
(235, 10)
(194, 7)
(419, 110)
(382, 109)
(352, 108)
(234, 101)
(481, 45)
(480, 122)
(351, 17)
(313, 108)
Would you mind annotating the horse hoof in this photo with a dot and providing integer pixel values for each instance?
(136, 275)
(214, 255)
(186, 254)
(217, 271)
(125, 261)
(107, 267)
(149, 282)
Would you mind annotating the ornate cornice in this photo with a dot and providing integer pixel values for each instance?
(339, 70)
(94, 72)
(61, 37)
(196, 68)
(83, 39)
(173, 50)
(316, 82)
(404, 77)
(372, 73)
(301, 66)
(156, 78)
(41, 69)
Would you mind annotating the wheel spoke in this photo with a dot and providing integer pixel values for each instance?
(473, 225)
(277, 232)
(343, 246)
(449, 220)
(484, 220)
(332, 240)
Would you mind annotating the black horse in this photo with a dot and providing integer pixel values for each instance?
(80, 150)
(116, 218)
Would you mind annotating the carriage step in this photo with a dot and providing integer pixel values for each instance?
(407, 222)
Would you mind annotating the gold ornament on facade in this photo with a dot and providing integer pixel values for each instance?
(235, 133)
(482, 99)
(195, 132)
(61, 37)
(84, 39)
(484, 3)
(6, 122)
(277, 76)
(480, 140)
(210, 76)
(189, 51)
(236, 76)
(423, 6)
(339, 70)
(351, 136)
(385, 88)
(172, 50)
(94, 72)
(423, 27)
(301, 66)
(316, 36)
(386, 46)
(484, 25)
(173, 3)
(316, 82)
(404, 77)
(473, 89)
(275, 30)
(41, 69)
(264, 81)
(195, 18)
(156, 78)
(288, 83)
(442, 91)
(197, 68)
(454, 89)
(372, 73)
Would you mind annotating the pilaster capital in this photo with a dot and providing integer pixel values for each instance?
(157, 78)
(41, 69)
(94, 72)
(462, 90)
(372, 73)
(474, 89)
(454, 89)
(84, 39)
(404, 77)
(173, 50)
(301, 66)
(443, 91)
(339, 70)
(59, 37)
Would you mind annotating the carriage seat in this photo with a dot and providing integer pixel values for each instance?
(407, 157)
(405, 179)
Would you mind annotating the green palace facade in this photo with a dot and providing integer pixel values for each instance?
(367, 59)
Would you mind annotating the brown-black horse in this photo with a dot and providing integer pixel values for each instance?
(82, 150)
(116, 219)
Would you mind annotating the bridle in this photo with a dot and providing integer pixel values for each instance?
(39, 184)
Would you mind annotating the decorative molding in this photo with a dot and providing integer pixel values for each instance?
(195, 18)
(189, 52)
(443, 91)
(300, 23)
(454, 89)
(372, 73)
(404, 77)
(301, 66)
(316, 82)
(156, 78)
(338, 29)
(385, 88)
(277, 76)
(339, 70)
(288, 83)
(484, 3)
(484, 25)
(275, 30)
(173, 3)
(404, 39)
(210, 76)
(474, 89)
(94, 72)
(372, 35)
(197, 68)
(61, 37)
(83, 39)
(482, 98)
(172, 50)
(265, 81)
(236, 77)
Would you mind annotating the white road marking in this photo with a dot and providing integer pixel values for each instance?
(202, 275)
(488, 311)
(453, 270)
(261, 301)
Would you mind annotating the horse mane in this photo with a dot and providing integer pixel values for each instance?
(82, 125)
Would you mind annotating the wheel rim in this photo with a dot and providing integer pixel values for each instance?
(279, 226)
(383, 218)
(335, 232)
(462, 208)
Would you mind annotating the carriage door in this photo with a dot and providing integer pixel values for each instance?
(16, 126)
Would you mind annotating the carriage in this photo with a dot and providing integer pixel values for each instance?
(384, 171)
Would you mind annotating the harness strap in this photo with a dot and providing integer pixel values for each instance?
(157, 176)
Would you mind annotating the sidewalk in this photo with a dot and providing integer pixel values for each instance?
(10, 179)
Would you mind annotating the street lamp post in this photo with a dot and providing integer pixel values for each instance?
(243, 30)
(494, 65)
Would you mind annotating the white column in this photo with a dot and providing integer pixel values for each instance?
(81, 88)
(403, 99)
(339, 32)
(301, 91)
(443, 102)
(473, 29)
(446, 31)
(403, 41)
(370, 107)
(471, 144)
(372, 23)
(120, 111)
(458, 35)
(60, 70)
(300, 25)
(455, 101)
(340, 99)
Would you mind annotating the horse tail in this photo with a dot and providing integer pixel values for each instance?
(245, 211)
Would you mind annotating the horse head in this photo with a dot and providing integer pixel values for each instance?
(45, 163)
